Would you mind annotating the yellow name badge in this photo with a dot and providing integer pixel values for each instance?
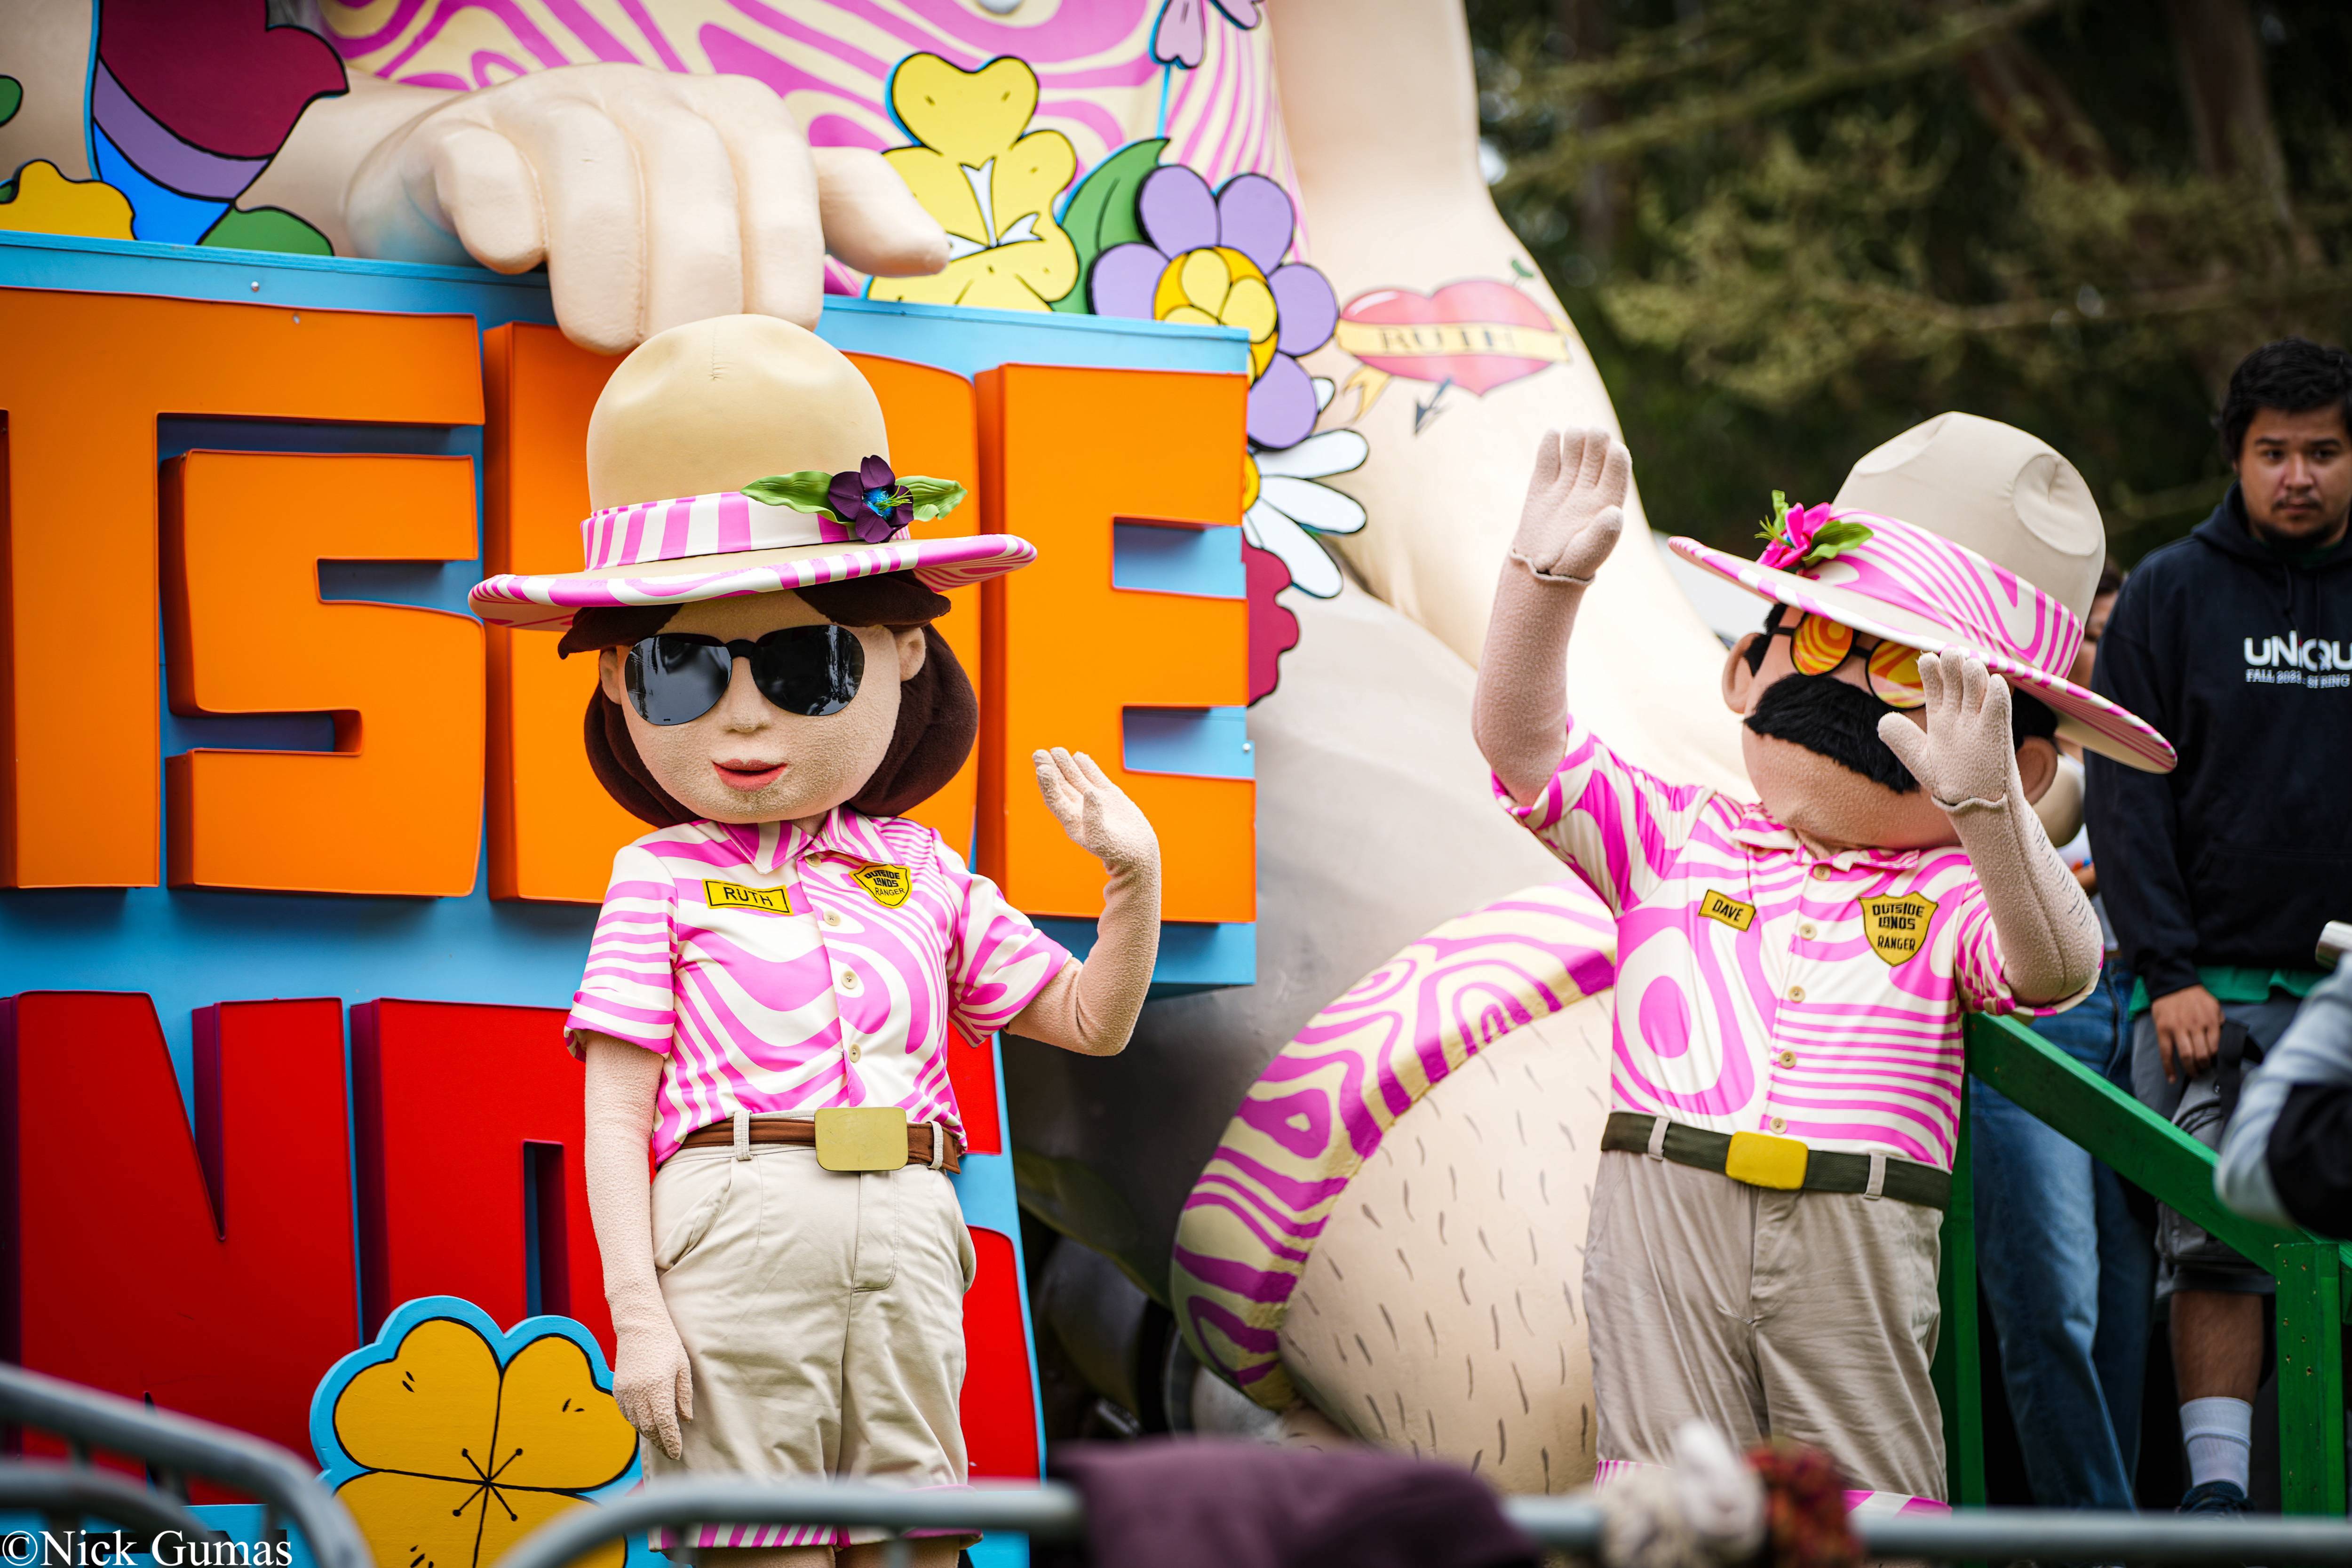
(1897, 928)
(1761, 1160)
(889, 884)
(1729, 910)
(731, 896)
(862, 1138)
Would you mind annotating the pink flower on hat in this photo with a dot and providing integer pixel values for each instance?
(1800, 536)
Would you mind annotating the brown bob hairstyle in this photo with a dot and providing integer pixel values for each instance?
(937, 715)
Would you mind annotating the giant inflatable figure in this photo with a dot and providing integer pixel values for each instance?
(1428, 1021)
(1786, 1055)
(780, 964)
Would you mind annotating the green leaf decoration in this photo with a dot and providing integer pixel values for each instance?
(1102, 212)
(930, 498)
(802, 491)
(266, 228)
(1776, 527)
(1834, 537)
(12, 97)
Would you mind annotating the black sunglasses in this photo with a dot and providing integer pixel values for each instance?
(675, 677)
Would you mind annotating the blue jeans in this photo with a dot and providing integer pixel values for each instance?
(2070, 1274)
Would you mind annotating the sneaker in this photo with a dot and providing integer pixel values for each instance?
(2224, 1497)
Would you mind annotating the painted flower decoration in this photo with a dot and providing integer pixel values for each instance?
(1285, 509)
(1216, 259)
(450, 1441)
(1801, 537)
(990, 185)
(869, 501)
(1182, 39)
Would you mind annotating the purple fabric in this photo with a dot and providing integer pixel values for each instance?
(1182, 1502)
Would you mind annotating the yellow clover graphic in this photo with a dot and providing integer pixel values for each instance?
(991, 187)
(461, 1457)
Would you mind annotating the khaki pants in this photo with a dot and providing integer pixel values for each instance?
(822, 1317)
(1802, 1315)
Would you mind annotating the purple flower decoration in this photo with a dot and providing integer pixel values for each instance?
(1182, 39)
(1217, 259)
(869, 502)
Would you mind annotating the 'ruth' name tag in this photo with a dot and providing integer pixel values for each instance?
(730, 896)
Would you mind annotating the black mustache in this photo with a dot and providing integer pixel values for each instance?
(1833, 720)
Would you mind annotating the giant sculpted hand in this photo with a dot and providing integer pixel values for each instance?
(654, 199)
(1575, 507)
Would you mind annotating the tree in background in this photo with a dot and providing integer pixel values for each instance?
(1790, 228)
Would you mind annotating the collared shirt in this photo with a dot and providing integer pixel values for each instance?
(781, 972)
(1763, 985)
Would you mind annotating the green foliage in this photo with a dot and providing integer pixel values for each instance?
(266, 228)
(1102, 212)
(802, 491)
(12, 98)
(930, 498)
(1789, 228)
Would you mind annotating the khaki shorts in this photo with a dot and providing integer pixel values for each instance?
(822, 1316)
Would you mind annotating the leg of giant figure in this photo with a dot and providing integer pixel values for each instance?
(1380, 107)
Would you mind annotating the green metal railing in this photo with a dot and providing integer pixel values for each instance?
(2174, 1169)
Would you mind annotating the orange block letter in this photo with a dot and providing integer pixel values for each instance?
(398, 807)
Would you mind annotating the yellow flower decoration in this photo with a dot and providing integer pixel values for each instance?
(1219, 286)
(991, 187)
(461, 1457)
(48, 203)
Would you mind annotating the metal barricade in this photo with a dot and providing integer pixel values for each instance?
(1054, 1512)
(176, 1449)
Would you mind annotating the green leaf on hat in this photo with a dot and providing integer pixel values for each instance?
(1776, 527)
(1836, 537)
(802, 491)
(932, 497)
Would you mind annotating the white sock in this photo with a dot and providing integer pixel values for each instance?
(2219, 1434)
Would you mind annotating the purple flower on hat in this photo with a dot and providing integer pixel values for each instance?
(869, 502)
(1800, 536)
(1216, 259)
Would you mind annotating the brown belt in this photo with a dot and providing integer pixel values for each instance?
(791, 1130)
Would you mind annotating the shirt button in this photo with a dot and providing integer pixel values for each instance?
(1780, 1124)
(847, 979)
(856, 1052)
(1821, 873)
(829, 918)
(1788, 1059)
(1805, 931)
(1796, 993)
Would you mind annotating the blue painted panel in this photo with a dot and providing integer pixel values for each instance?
(1152, 558)
(1199, 743)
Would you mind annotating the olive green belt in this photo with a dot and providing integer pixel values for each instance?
(1783, 1164)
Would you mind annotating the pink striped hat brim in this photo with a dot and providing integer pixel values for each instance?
(547, 603)
(2084, 716)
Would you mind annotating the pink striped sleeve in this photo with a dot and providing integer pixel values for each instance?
(1976, 966)
(629, 989)
(1617, 824)
(997, 960)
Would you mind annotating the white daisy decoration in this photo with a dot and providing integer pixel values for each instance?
(1289, 508)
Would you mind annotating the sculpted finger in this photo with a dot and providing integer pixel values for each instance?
(1095, 776)
(872, 221)
(694, 242)
(1907, 742)
(1547, 461)
(1973, 676)
(1060, 798)
(782, 229)
(1931, 683)
(1593, 458)
(684, 1389)
(489, 198)
(590, 190)
(1616, 473)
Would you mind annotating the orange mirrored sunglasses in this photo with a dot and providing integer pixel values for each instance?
(1819, 647)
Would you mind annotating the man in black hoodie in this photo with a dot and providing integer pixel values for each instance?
(2236, 643)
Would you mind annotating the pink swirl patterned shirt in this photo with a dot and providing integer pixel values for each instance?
(782, 972)
(1763, 986)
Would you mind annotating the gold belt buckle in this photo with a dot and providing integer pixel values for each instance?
(865, 1138)
(1760, 1159)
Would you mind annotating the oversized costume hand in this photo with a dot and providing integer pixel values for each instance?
(654, 199)
(651, 1381)
(1576, 505)
(1966, 752)
(1092, 1006)
(1966, 759)
(1096, 813)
